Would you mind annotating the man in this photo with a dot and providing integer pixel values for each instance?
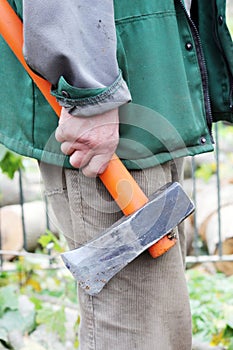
(131, 77)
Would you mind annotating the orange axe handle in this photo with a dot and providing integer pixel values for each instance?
(116, 178)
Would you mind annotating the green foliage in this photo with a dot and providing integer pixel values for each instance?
(8, 300)
(54, 320)
(10, 162)
(12, 317)
(76, 327)
(48, 238)
(211, 301)
(38, 304)
(48, 291)
(205, 171)
(33, 279)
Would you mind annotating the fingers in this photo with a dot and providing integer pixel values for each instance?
(67, 148)
(90, 142)
(96, 166)
(92, 162)
(80, 159)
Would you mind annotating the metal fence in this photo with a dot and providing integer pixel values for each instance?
(196, 253)
(47, 258)
(199, 255)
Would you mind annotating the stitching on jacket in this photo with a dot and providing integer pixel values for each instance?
(145, 16)
(92, 100)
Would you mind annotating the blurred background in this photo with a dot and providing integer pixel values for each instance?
(38, 296)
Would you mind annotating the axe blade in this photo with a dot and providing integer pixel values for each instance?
(95, 263)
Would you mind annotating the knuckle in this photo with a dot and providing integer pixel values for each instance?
(59, 135)
(65, 149)
(88, 172)
(75, 160)
(90, 142)
(74, 163)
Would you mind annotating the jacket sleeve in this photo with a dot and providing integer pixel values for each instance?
(72, 44)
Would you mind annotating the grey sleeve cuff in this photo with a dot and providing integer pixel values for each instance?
(88, 102)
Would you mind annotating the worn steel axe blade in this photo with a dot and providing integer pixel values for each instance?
(95, 263)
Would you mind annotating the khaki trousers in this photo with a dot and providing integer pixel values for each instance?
(146, 305)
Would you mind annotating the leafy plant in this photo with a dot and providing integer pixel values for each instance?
(10, 162)
(14, 317)
(211, 301)
(7, 299)
(54, 320)
(49, 291)
(50, 240)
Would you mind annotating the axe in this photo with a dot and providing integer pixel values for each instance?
(148, 222)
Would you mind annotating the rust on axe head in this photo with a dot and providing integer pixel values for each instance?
(95, 263)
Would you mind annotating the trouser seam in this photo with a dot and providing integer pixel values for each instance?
(73, 199)
(91, 324)
(81, 201)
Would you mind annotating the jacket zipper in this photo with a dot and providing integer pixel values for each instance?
(203, 70)
(224, 57)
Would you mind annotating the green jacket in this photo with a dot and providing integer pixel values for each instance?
(180, 82)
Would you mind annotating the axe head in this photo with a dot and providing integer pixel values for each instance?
(95, 263)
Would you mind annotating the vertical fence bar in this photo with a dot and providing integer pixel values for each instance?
(21, 198)
(47, 213)
(196, 234)
(218, 190)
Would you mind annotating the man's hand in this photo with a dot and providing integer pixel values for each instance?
(90, 142)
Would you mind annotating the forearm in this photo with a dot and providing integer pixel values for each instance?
(73, 45)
